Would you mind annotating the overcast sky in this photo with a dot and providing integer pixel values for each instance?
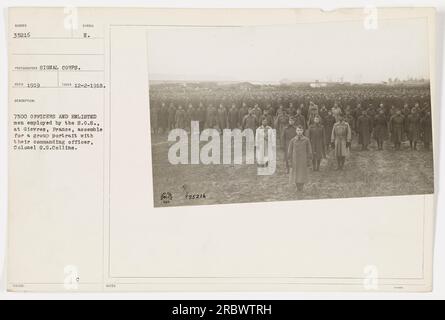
(304, 52)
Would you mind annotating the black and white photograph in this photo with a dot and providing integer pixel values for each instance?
(283, 113)
(228, 153)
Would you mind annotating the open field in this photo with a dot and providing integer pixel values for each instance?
(366, 174)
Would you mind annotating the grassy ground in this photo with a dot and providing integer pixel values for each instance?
(366, 173)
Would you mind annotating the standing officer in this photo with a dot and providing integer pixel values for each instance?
(288, 133)
(316, 136)
(396, 128)
(364, 128)
(341, 141)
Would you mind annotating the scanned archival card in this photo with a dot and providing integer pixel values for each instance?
(161, 149)
(234, 114)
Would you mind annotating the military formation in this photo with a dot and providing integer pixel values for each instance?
(309, 122)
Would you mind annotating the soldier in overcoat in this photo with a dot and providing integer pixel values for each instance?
(299, 151)
(341, 141)
(288, 134)
(396, 128)
(413, 128)
(364, 129)
(316, 135)
(425, 125)
(380, 128)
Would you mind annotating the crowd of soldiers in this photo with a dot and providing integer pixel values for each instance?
(328, 117)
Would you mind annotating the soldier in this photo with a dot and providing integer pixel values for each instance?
(191, 115)
(381, 107)
(258, 113)
(413, 124)
(243, 111)
(380, 128)
(280, 110)
(323, 113)
(181, 118)
(341, 141)
(211, 117)
(291, 110)
(312, 117)
(328, 123)
(171, 116)
(300, 120)
(371, 113)
(222, 117)
(304, 110)
(425, 125)
(268, 115)
(396, 128)
(201, 116)
(348, 110)
(336, 111)
(299, 151)
(357, 112)
(288, 133)
(249, 121)
(349, 118)
(424, 110)
(154, 118)
(163, 118)
(233, 117)
(392, 112)
(280, 124)
(406, 111)
(260, 136)
(364, 128)
(417, 107)
(313, 111)
(316, 135)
